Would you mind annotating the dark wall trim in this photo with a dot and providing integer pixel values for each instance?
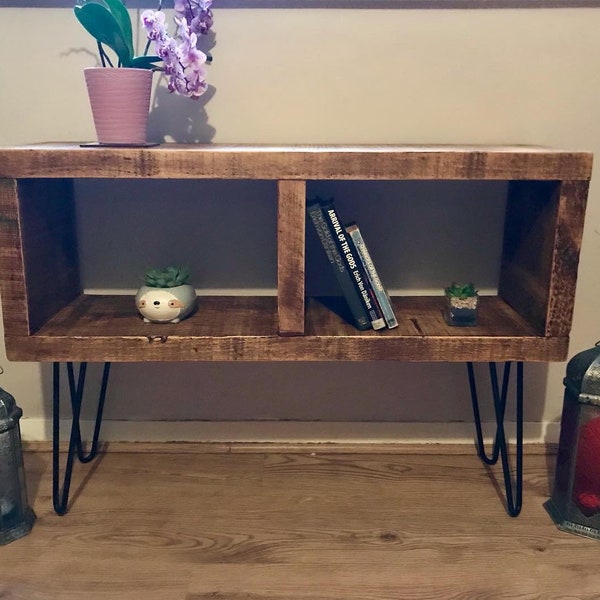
(463, 4)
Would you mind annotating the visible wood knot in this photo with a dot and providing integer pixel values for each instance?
(388, 536)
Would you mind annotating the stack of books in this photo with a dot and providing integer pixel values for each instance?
(347, 252)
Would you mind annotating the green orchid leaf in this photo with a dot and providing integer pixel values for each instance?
(121, 15)
(144, 62)
(101, 24)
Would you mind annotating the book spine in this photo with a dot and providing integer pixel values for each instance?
(359, 314)
(348, 251)
(381, 293)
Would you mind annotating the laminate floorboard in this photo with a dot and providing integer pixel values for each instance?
(286, 526)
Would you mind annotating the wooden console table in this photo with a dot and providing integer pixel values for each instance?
(528, 320)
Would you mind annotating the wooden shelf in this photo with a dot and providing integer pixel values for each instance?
(259, 161)
(226, 328)
(47, 317)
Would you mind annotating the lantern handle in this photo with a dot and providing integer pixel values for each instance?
(60, 495)
(514, 498)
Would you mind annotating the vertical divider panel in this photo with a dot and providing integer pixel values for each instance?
(291, 211)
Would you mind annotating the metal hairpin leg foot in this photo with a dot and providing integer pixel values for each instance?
(514, 498)
(60, 496)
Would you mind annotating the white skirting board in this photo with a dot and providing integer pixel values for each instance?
(286, 431)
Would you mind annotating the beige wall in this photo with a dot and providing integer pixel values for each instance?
(403, 76)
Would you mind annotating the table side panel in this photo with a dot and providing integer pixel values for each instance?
(49, 241)
(12, 271)
(565, 261)
(528, 248)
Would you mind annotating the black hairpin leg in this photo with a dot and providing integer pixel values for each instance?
(514, 498)
(60, 495)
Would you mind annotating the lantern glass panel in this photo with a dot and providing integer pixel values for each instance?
(586, 477)
(16, 517)
(568, 441)
(575, 502)
(12, 497)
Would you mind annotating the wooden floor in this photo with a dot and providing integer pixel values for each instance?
(184, 524)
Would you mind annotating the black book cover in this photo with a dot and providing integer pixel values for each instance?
(353, 263)
(338, 264)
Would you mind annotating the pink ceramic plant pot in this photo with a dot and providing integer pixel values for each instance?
(120, 101)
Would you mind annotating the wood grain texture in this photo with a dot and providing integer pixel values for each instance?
(530, 320)
(567, 246)
(194, 526)
(220, 161)
(12, 270)
(389, 582)
(324, 447)
(542, 242)
(49, 242)
(291, 218)
(529, 236)
(99, 328)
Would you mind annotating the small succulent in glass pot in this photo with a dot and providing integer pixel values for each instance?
(462, 303)
(167, 296)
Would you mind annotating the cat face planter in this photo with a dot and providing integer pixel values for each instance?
(165, 305)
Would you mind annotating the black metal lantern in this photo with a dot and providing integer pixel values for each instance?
(575, 502)
(16, 517)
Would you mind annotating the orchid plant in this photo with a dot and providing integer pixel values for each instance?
(108, 21)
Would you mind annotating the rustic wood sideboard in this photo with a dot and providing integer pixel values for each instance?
(529, 319)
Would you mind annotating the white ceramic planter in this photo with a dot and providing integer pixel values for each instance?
(165, 305)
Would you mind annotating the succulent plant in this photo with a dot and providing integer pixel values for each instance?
(170, 276)
(461, 290)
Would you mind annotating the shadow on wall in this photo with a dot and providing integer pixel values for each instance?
(174, 118)
(330, 392)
